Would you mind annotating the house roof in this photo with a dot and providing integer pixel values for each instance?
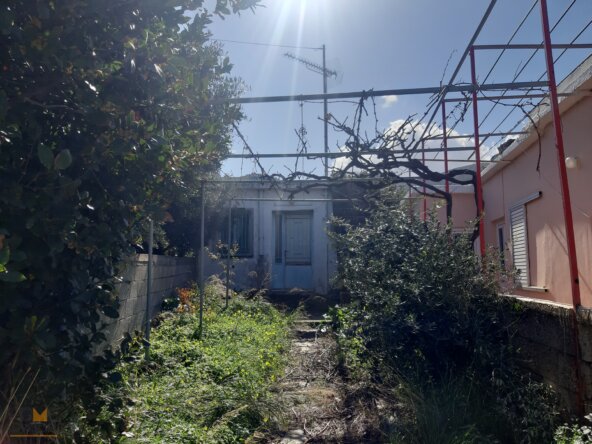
(578, 84)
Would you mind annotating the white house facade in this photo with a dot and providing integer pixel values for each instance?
(281, 238)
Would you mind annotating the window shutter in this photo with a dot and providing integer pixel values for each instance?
(520, 242)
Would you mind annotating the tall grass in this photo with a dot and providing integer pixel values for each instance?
(213, 389)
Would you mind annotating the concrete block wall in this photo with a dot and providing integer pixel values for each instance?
(168, 273)
(546, 339)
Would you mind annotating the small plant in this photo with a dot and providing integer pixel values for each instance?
(226, 257)
(186, 300)
(574, 433)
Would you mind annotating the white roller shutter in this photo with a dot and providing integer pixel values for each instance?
(520, 242)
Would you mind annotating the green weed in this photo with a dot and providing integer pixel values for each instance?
(210, 390)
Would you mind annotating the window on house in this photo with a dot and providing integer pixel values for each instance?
(519, 243)
(241, 231)
(501, 244)
(278, 238)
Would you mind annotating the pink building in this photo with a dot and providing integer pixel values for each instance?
(523, 204)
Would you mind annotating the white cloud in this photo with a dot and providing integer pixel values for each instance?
(388, 101)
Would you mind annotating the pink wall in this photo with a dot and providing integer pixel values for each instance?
(463, 209)
(548, 262)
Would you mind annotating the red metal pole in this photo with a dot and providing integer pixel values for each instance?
(445, 144)
(425, 201)
(567, 214)
(477, 156)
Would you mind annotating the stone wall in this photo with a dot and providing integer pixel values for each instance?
(168, 273)
(547, 343)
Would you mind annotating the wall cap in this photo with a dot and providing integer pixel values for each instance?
(534, 288)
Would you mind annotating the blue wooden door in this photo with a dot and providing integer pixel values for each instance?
(293, 251)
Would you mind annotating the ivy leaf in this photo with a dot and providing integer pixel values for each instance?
(63, 160)
(45, 156)
(12, 277)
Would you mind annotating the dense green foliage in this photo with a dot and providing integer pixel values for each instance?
(106, 118)
(211, 390)
(426, 317)
(573, 433)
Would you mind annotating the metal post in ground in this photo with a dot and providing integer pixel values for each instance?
(228, 253)
(425, 199)
(445, 145)
(202, 256)
(477, 155)
(326, 140)
(148, 291)
(566, 199)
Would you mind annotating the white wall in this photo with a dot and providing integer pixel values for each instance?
(323, 256)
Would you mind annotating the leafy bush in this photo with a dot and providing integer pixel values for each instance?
(215, 389)
(106, 118)
(574, 433)
(426, 314)
(421, 300)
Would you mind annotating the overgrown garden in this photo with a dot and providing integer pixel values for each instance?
(215, 389)
(427, 328)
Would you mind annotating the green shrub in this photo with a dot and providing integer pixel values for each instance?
(574, 433)
(420, 298)
(426, 314)
(106, 118)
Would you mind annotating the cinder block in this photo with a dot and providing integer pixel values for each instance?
(553, 366)
(585, 337)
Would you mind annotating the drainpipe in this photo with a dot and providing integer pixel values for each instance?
(566, 199)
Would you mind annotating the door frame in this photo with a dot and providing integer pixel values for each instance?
(280, 265)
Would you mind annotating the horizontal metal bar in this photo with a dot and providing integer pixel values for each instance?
(340, 154)
(507, 97)
(536, 46)
(384, 92)
(268, 181)
(271, 199)
(483, 135)
(464, 160)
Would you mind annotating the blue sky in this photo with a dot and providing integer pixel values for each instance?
(376, 44)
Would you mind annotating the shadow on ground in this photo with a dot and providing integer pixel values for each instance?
(317, 401)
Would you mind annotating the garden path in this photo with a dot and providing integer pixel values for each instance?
(317, 407)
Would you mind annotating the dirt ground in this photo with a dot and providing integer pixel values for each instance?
(316, 402)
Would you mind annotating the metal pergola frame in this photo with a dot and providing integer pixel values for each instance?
(473, 89)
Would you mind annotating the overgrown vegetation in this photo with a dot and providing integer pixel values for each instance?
(106, 117)
(211, 390)
(426, 324)
(573, 433)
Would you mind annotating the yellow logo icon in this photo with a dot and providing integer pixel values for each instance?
(39, 417)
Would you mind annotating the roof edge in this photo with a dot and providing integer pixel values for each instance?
(577, 83)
